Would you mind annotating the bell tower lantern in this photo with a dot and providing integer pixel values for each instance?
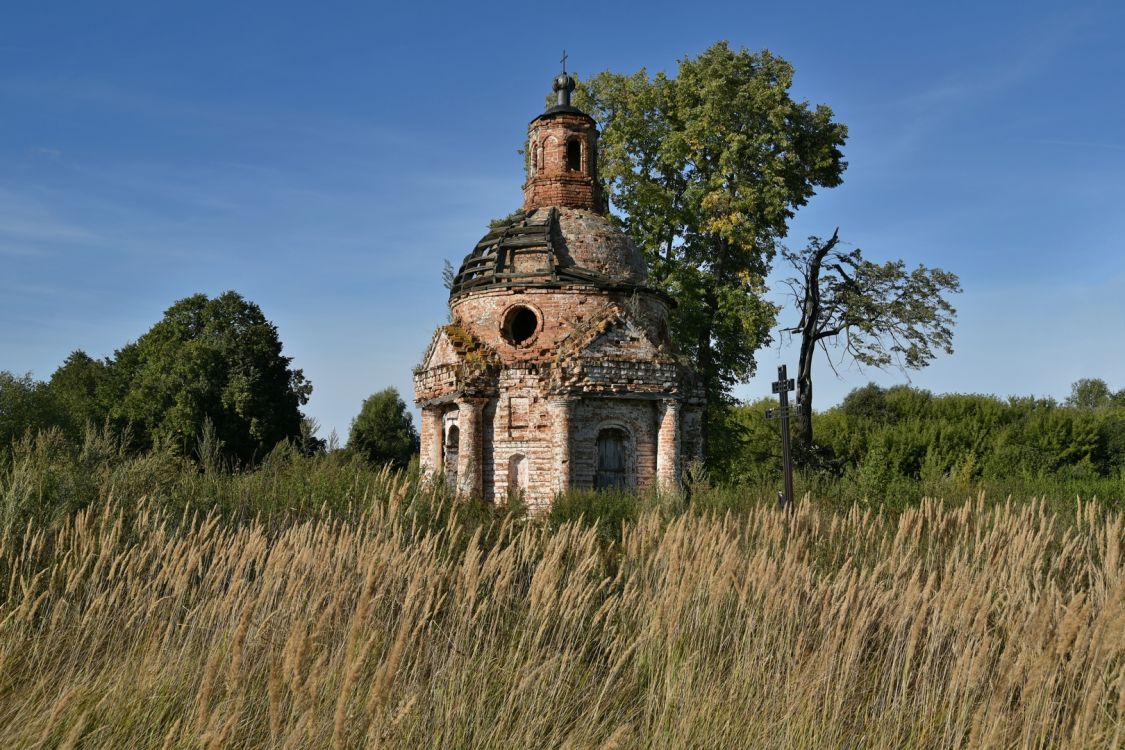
(562, 155)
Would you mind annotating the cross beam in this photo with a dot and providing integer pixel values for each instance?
(781, 387)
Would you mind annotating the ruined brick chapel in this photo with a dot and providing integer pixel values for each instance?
(557, 369)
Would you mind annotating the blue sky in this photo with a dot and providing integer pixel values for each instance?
(323, 159)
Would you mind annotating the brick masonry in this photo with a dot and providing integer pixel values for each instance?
(553, 179)
(522, 410)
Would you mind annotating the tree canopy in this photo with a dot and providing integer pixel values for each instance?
(383, 432)
(78, 391)
(1094, 394)
(881, 314)
(210, 360)
(706, 169)
(895, 445)
(24, 405)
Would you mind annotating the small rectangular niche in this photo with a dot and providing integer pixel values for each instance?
(518, 407)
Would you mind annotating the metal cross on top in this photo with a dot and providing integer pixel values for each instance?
(781, 387)
(563, 61)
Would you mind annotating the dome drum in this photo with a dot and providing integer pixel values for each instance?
(552, 247)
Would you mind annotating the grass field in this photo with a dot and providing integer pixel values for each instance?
(395, 618)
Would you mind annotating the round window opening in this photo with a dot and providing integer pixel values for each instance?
(520, 324)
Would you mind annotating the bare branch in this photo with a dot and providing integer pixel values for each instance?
(887, 316)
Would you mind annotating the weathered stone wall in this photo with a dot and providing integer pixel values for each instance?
(521, 426)
(431, 383)
(560, 312)
(520, 423)
(431, 440)
(591, 240)
(668, 443)
(449, 420)
(589, 366)
(639, 420)
(691, 432)
(550, 180)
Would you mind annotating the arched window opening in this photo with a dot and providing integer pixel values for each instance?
(611, 464)
(520, 324)
(574, 155)
(452, 443)
(517, 475)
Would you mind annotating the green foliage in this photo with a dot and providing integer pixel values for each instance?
(45, 476)
(1093, 393)
(707, 169)
(79, 390)
(208, 381)
(25, 406)
(210, 360)
(892, 446)
(448, 275)
(886, 314)
(609, 510)
(747, 446)
(881, 314)
(383, 432)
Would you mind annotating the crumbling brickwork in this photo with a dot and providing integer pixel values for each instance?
(557, 370)
(555, 176)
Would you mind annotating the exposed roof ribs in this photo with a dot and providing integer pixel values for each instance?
(526, 251)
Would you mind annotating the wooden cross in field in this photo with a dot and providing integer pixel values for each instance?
(781, 387)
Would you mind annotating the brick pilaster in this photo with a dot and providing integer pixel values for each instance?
(668, 446)
(560, 410)
(431, 439)
(470, 461)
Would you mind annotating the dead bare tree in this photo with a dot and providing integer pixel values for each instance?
(881, 314)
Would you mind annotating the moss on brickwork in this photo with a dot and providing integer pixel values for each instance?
(472, 351)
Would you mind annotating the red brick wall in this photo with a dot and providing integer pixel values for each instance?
(637, 417)
(532, 441)
(559, 312)
(550, 181)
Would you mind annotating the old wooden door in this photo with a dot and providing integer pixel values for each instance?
(611, 468)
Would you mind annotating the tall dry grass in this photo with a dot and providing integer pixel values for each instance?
(972, 626)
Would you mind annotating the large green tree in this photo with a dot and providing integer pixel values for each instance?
(25, 406)
(383, 432)
(705, 170)
(881, 314)
(215, 361)
(78, 390)
(1093, 394)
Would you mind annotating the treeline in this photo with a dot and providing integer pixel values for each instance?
(209, 386)
(208, 383)
(209, 376)
(892, 444)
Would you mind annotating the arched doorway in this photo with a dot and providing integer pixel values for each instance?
(612, 465)
(452, 443)
(517, 475)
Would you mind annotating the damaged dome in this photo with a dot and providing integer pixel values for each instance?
(552, 247)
